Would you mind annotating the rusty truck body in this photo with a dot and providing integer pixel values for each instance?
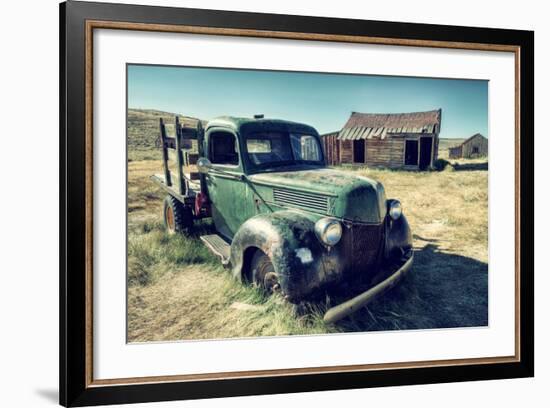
(284, 220)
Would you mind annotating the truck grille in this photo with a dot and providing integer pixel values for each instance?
(362, 243)
(308, 201)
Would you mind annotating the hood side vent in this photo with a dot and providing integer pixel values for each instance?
(307, 201)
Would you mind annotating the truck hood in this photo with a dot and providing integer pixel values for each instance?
(348, 196)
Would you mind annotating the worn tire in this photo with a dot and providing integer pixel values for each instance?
(177, 217)
(263, 273)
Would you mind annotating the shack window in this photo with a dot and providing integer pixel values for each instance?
(223, 148)
(475, 150)
(411, 152)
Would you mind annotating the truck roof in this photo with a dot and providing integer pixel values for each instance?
(239, 123)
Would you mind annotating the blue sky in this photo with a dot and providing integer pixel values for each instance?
(324, 101)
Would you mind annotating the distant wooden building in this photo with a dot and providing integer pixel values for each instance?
(475, 146)
(395, 140)
(331, 147)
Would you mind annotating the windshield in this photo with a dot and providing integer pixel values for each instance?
(281, 148)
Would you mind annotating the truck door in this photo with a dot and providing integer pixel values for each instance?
(230, 197)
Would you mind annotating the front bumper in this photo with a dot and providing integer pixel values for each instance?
(352, 305)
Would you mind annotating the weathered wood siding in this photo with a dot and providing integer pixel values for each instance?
(331, 148)
(386, 152)
(477, 146)
(346, 151)
(436, 147)
(455, 152)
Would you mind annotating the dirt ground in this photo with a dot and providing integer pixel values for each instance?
(177, 289)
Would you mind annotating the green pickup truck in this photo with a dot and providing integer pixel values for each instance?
(284, 221)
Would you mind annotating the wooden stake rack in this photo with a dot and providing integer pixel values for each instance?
(187, 180)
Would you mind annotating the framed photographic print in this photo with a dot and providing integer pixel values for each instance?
(255, 204)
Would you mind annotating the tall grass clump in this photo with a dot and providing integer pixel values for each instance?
(442, 164)
(153, 251)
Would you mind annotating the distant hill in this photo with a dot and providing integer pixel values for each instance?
(444, 144)
(143, 129)
(143, 126)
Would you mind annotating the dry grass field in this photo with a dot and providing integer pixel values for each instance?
(177, 289)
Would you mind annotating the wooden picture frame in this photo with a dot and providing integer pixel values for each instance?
(78, 20)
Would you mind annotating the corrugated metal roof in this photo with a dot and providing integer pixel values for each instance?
(334, 133)
(467, 140)
(369, 125)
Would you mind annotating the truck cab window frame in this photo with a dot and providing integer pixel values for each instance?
(279, 148)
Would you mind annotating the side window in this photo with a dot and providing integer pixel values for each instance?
(223, 148)
(305, 147)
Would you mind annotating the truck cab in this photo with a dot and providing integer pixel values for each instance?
(240, 151)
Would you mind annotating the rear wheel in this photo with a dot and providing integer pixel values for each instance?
(263, 273)
(177, 217)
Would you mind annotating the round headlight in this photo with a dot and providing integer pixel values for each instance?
(328, 230)
(395, 209)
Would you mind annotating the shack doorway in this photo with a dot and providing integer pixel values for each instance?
(411, 152)
(425, 157)
(359, 151)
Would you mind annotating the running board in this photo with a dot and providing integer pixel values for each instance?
(218, 246)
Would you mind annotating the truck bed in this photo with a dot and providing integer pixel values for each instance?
(194, 186)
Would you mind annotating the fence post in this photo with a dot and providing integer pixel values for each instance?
(167, 177)
(179, 156)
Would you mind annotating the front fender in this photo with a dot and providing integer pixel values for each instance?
(288, 238)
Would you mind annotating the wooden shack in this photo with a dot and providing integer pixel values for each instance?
(331, 147)
(473, 147)
(392, 140)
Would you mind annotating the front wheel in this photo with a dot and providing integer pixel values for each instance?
(263, 273)
(177, 217)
